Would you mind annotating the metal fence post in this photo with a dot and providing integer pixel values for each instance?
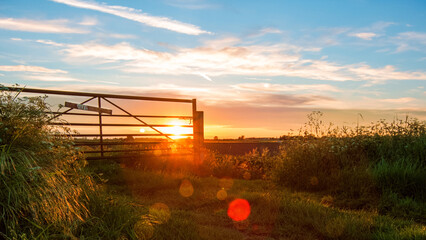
(195, 131)
(101, 140)
(200, 126)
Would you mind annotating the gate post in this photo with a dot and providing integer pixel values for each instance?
(100, 128)
(198, 132)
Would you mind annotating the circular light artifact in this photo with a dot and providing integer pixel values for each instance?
(221, 194)
(186, 189)
(239, 209)
(226, 183)
(160, 212)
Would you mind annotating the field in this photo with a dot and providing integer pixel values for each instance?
(196, 208)
(325, 182)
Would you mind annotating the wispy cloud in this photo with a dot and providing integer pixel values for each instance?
(410, 41)
(49, 42)
(108, 82)
(397, 100)
(258, 79)
(364, 35)
(46, 26)
(365, 72)
(264, 31)
(233, 59)
(268, 87)
(121, 36)
(89, 21)
(138, 16)
(205, 77)
(191, 4)
(37, 73)
(380, 26)
(34, 69)
(51, 78)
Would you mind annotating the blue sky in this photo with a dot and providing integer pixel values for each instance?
(242, 60)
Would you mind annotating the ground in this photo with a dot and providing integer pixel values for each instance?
(179, 206)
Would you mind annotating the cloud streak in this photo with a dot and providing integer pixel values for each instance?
(268, 87)
(34, 69)
(52, 78)
(137, 16)
(46, 26)
(406, 41)
(364, 35)
(191, 4)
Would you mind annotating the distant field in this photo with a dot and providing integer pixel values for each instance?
(241, 147)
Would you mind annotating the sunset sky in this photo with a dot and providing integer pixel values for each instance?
(256, 68)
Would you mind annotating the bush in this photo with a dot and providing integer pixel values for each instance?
(404, 176)
(253, 165)
(358, 165)
(41, 174)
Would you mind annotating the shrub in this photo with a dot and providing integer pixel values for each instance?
(356, 164)
(253, 165)
(404, 176)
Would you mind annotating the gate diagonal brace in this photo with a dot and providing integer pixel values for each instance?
(88, 108)
(153, 128)
(64, 112)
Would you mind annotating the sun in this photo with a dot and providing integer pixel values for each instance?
(177, 130)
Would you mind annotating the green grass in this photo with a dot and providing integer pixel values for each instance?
(275, 212)
(42, 178)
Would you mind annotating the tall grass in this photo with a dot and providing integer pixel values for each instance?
(42, 181)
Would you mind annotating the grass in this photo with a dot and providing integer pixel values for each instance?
(42, 178)
(275, 212)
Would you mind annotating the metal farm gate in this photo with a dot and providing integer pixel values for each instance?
(103, 145)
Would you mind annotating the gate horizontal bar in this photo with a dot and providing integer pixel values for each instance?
(117, 143)
(138, 150)
(87, 94)
(136, 156)
(121, 115)
(133, 135)
(120, 125)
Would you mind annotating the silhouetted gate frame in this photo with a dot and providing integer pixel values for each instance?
(197, 120)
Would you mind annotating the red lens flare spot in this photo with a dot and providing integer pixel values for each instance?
(239, 209)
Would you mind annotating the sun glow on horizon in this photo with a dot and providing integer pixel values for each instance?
(177, 130)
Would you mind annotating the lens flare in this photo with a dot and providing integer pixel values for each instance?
(143, 229)
(160, 212)
(186, 189)
(222, 194)
(239, 209)
(313, 181)
(226, 183)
